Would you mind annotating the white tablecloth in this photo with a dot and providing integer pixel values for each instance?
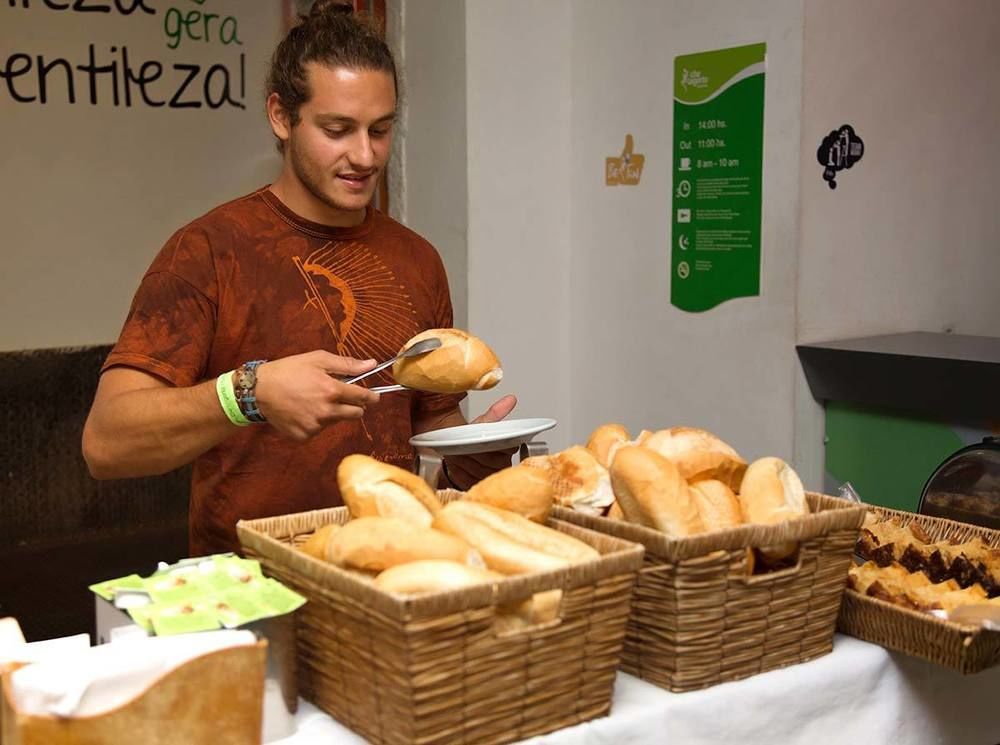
(860, 694)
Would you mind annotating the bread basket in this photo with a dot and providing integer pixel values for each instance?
(699, 617)
(435, 668)
(965, 649)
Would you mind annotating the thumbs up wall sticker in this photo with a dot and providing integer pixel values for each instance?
(625, 170)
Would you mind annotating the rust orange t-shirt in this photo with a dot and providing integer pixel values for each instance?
(253, 280)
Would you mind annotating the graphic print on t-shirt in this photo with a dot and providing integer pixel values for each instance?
(367, 309)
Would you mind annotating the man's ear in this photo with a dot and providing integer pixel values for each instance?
(278, 117)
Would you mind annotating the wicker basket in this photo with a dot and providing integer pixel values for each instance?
(433, 668)
(698, 617)
(967, 649)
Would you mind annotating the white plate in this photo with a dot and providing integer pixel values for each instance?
(482, 438)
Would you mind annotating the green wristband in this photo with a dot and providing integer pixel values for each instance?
(227, 397)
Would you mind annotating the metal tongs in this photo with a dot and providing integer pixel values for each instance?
(421, 347)
(848, 492)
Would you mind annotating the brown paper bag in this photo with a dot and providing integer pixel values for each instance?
(214, 699)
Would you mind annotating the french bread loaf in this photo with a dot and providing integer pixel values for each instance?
(523, 489)
(581, 482)
(615, 512)
(371, 488)
(316, 544)
(378, 543)
(524, 531)
(604, 440)
(499, 552)
(463, 362)
(698, 455)
(578, 479)
(771, 492)
(651, 492)
(541, 607)
(432, 575)
(510, 543)
(717, 505)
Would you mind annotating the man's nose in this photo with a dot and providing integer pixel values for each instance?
(362, 155)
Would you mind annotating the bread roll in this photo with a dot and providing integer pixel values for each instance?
(490, 531)
(499, 552)
(517, 528)
(462, 362)
(605, 440)
(698, 455)
(538, 461)
(316, 544)
(371, 488)
(11, 635)
(13, 650)
(717, 505)
(640, 439)
(771, 493)
(377, 543)
(545, 606)
(524, 489)
(651, 492)
(580, 481)
(541, 607)
(615, 512)
(430, 575)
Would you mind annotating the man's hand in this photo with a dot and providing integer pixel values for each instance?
(466, 470)
(299, 396)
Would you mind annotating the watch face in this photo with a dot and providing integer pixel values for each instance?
(246, 378)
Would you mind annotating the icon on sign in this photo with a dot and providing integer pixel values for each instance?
(684, 215)
(683, 270)
(684, 189)
(685, 164)
(684, 242)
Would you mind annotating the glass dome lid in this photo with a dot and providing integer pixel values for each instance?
(966, 486)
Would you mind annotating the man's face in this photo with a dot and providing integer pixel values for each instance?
(341, 144)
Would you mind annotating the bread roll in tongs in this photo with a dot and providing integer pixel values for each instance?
(463, 362)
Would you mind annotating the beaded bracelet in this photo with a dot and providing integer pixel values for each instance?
(247, 397)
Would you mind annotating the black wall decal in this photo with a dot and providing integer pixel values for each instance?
(840, 149)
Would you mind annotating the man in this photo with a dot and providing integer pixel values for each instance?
(303, 274)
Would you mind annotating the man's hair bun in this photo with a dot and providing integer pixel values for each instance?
(321, 8)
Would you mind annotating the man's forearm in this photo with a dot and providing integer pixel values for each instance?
(153, 430)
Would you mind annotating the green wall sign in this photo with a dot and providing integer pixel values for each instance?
(718, 147)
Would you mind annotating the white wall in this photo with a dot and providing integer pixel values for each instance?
(519, 165)
(432, 151)
(635, 358)
(910, 239)
(91, 192)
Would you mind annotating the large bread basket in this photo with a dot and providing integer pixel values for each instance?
(435, 668)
